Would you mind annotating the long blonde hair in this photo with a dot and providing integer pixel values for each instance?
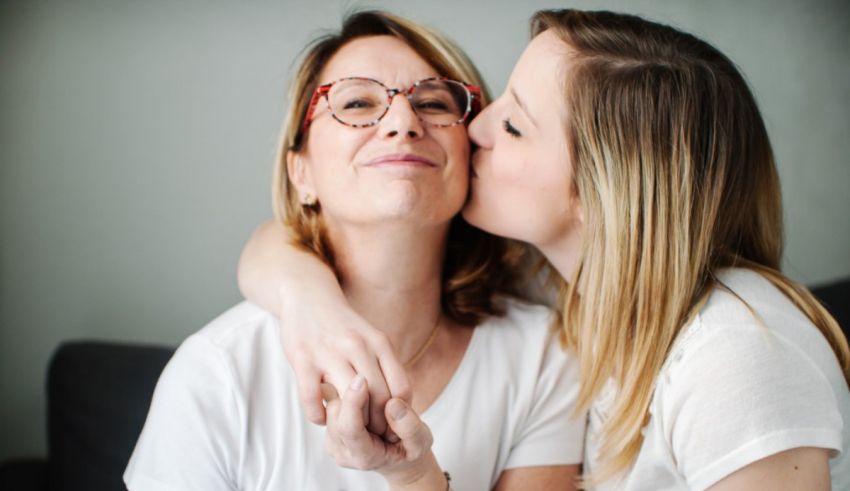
(676, 177)
(478, 266)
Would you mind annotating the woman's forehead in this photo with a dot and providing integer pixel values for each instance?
(537, 77)
(387, 59)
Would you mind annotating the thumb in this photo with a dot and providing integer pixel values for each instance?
(415, 436)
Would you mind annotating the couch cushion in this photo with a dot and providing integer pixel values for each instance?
(98, 398)
(836, 298)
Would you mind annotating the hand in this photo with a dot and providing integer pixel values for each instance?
(329, 342)
(408, 461)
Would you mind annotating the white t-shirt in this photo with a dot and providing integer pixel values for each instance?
(733, 391)
(226, 416)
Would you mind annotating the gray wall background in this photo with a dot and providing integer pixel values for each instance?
(136, 141)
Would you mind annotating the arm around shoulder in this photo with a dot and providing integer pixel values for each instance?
(272, 269)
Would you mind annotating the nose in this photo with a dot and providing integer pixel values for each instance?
(480, 128)
(401, 120)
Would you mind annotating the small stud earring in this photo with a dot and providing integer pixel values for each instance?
(308, 200)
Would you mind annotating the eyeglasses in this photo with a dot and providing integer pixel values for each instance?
(360, 102)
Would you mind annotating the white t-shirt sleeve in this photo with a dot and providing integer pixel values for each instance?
(741, 393)
(550, 433)
(190, 440)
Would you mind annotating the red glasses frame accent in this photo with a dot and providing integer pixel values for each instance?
(473, 105)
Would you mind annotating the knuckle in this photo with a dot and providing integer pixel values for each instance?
(350, 344)
(414, 454)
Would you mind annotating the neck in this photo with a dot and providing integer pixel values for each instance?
(563, 253)
(391, 275)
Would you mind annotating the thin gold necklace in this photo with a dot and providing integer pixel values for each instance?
(427, 344)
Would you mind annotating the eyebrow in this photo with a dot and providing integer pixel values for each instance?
(523, 107)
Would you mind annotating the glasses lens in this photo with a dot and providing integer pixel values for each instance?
(440, 102)
(358, 101)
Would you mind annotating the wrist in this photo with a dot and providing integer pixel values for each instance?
(423, 475)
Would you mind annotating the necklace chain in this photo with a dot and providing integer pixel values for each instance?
(427, 344)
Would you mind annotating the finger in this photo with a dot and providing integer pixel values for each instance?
(332, 409)
(397, 382)
(414, 434)
(331, 435)
(351, 427)
(378, 391)
(394, 374)
(310, 394)
(339, 376)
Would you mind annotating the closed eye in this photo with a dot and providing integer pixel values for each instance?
(510, 129)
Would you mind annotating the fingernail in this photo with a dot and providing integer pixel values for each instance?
(397, 409)
(357, 383)
(393, 439)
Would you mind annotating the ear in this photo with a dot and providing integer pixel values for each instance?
(298, 169)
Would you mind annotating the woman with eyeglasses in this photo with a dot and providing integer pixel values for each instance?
(372, 172)
(634, 158)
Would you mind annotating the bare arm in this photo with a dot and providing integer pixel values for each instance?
(562, 477)
(323, 338)
(798, 468)
(271, 268)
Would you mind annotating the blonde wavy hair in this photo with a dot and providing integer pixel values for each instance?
(677, 180)
(478, 266)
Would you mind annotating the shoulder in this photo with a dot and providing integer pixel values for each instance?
(523, 322)
(243, 320)
(747, 333)
(222, 353)
(743, 381)
(195, 427)
(746, 327)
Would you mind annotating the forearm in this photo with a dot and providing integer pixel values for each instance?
(271, 268)
(318, 327)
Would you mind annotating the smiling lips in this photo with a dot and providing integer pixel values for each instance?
(402, 159)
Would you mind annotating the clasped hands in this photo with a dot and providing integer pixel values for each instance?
(404, 457)
(350, 379)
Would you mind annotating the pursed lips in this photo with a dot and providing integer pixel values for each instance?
(401, 159)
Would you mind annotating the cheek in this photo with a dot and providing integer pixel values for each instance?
(519, 194)
(332, 163)
(456, 176)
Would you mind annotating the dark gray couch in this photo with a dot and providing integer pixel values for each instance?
(98, 395)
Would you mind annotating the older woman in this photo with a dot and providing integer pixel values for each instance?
(634, 157)
(372, 172)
